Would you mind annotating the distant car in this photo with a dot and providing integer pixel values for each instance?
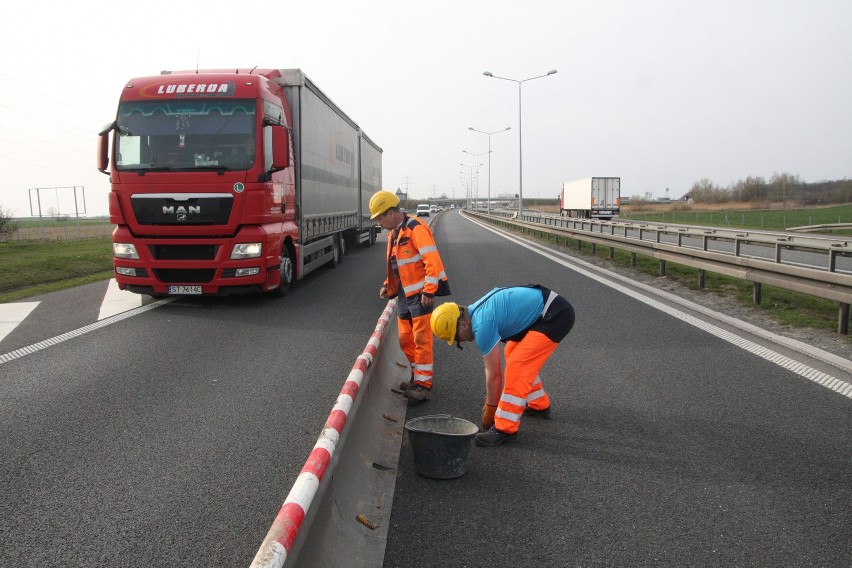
(433, 209)
(423, 209)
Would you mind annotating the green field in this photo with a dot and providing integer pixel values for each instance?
(30, 268)
(749, 219)
(30, 222)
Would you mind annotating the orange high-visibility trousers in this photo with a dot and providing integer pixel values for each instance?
(416, 341)
(522, 385)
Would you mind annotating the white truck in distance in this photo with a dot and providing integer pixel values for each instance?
(591, 198)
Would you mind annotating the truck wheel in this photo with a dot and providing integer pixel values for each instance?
(286, 274)
(336, 252)
(351, 238)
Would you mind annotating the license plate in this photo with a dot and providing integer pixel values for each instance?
(184, 289)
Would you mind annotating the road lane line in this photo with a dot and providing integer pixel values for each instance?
(36, 347)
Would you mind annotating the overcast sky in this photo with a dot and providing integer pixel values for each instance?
(662, 93)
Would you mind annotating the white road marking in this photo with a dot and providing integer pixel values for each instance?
(35, 347)
(13, 314)
(117, 301)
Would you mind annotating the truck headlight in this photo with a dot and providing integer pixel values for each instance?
(124, 250)
(246, 250)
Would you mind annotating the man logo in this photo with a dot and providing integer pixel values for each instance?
(181, 212)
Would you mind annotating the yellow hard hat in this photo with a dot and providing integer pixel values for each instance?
(381, 202)
(445, 321)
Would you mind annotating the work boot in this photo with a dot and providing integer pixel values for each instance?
(405, 385)
(493, 437)
(416, 393)
(535, 413)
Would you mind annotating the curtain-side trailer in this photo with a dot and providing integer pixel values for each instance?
(231, 181)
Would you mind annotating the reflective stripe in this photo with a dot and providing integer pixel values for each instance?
(414, 287)
(432, 248)
(549, 301)
(404, 261)
(536, 394)
(422, 367)
(511, 399)
(510, 416)
(537, 381)
(433, 280)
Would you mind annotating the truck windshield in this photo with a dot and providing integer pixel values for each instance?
(186, 134)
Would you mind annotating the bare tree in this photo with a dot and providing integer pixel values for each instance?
(704, 191)
(784, 187)
(7, 226)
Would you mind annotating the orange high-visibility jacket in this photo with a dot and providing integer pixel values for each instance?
(421, 270)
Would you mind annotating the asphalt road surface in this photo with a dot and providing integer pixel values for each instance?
(668, 445)
(170, 438)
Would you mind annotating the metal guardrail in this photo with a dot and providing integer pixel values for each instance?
(820, 267)
(815, 228)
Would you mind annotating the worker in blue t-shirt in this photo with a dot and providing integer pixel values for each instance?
(531, 320)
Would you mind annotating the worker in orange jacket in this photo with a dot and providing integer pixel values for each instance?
(531, 321)
(415, 275)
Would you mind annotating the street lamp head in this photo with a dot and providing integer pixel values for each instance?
(487, 74)
(508, 128)
(551, 72)
(471, 128)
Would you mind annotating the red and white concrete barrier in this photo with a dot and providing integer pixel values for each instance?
(279, 540)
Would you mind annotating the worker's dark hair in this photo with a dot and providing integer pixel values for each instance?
(461, 315)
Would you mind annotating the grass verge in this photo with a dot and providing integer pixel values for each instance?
(31, 268)
(780, 219)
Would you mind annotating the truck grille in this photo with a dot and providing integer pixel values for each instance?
(182, 208)
(184, 276)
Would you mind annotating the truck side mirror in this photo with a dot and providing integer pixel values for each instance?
(277, 138)
(103, 148)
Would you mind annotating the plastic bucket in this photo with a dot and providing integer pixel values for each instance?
(440, 444)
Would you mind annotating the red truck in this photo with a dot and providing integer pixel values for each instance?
(233, 181)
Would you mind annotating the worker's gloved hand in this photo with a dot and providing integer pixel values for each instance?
(488, 415)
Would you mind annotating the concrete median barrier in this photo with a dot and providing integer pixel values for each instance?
(338, 510)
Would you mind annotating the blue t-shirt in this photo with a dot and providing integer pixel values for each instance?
(504, 313)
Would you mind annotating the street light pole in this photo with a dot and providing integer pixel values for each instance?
(520, 150)
(470, 185)
(488, 205)
(477, 170)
